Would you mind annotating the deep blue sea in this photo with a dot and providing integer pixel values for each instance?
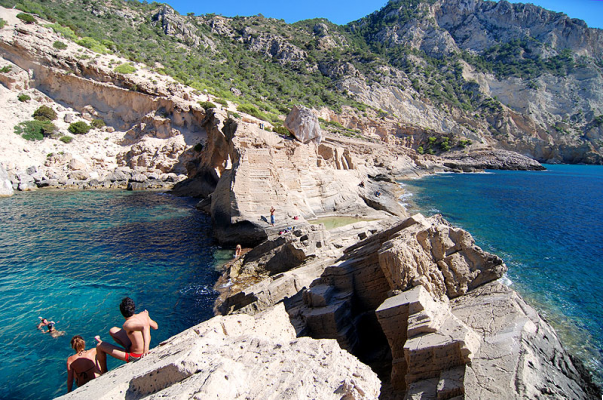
(72, 256)
(548, 228)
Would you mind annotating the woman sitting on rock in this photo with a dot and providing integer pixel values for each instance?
(83, 366)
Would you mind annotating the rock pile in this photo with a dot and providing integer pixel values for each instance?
(119, 178)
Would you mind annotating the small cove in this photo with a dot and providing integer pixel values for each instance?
(72, 256)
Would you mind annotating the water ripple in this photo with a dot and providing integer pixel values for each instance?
(72, 257)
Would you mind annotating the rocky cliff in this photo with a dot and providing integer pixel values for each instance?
(421, 304)
(148, 129)
(412, 298)
(437, 75)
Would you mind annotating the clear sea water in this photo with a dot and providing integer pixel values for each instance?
(72, 256)
(548, 228)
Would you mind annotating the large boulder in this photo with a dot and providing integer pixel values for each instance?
(6, 187)
(304, 125)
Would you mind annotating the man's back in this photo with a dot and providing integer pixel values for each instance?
(137, 328)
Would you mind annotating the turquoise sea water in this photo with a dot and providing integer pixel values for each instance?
(548, 228)
(72, 256)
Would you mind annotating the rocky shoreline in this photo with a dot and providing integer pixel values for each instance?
(389, 306)
(411, 297)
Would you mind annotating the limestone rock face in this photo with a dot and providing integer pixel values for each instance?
(6, 187)
(273, 46)
(304, 125)
(425, 338)
(152, 128)
(239, 357)
(515, 338)
(421, 292)
(443, 259)
(247, 170)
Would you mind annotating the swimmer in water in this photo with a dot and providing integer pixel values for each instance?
(43, 323)
(53, 332)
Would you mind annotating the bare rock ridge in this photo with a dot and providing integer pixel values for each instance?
(422, 305)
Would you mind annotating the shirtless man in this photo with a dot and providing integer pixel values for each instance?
(134, 336)
(83, 366)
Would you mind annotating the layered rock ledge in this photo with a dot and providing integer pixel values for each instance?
(412, 309)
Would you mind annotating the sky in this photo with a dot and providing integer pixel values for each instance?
(343, 11)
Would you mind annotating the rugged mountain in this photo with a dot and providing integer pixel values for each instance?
(438, 75)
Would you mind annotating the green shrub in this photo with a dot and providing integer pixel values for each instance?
(252, 110)
(207, 105)
(281, 130)
(59, 45)
(45, 113)
(64, 31)
(92, 44)
(221, 101)
(97, 123)
(6, 69)
(464, 143)
(79, 128)
(598, 120)
(2, 23)
(35, 130)
(125, 69)
(23, 97)
(109, 44)
(420, 150)
(66, 139)
(27, 18)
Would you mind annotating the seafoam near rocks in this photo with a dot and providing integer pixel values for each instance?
(239, 357)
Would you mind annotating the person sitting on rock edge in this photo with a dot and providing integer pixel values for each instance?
(134, 336)
(83, 366)
(238, 250)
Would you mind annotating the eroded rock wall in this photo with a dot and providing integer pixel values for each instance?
(422, 304)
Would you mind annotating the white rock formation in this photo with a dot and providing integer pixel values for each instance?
(239, 357)
(304, 125)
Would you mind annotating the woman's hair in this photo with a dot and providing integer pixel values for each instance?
(78, 344)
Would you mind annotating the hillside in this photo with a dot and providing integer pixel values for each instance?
(438, 75)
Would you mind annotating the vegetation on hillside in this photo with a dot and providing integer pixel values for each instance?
(265, 65)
